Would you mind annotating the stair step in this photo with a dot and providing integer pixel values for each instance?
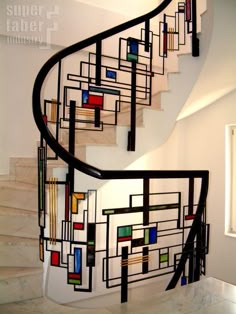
(85, 137)
(123, 118)
(6, 177)
(18, 222)
(26, 169)
(18, 195)
(18, 284)
(19, 252)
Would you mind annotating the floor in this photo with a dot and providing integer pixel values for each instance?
(205, 297)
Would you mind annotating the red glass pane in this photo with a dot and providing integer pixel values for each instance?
(78, 226)
(122, 239)
(55, 258)
(74, 276)
(189, 217)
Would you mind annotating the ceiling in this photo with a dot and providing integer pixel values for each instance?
(125, 7)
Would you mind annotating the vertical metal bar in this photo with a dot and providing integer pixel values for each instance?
(58, 100)
(190, 212)
(91, 242)
(146, 188)
(165, 39)
(199, 238)
(191, 264)
(132, 133)
(90, 279)
(145, 260)
(72, 143)
(191, 196)
(179, 212)
(124, 274)
(97, 117)
(67, 193)
(116, 110)
(195, 40)
(107, 250)
(98, 62)
(207, 238)
(147, 30)
(41, 181)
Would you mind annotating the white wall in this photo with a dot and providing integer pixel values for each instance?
(18, 133)
(198, 142)
(131, 7)
(217, 77)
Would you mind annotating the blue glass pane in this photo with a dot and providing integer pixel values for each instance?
(85, 95)
(111, 74)
(184, 281)
(133, 47)
(152, 235)
(77, 253)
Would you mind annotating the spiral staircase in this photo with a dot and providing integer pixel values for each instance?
(73, 134)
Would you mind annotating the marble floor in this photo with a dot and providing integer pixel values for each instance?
(205, 297)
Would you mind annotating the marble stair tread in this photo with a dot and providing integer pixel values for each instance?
(32, 162)
(123, 117)
(19, 252)
(206, 296)
(12, 212)
(6, 177)
(15, 185)
(14, 272)
(80, 152)
(18, 222)
(25, 170)
(19, 284)
(45, 306)
(18, 195)
(87, 137)
(11, 240)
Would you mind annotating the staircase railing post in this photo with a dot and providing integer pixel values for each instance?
(146, 192)
(124, 274)
(197, 270)
(195, 40)
(147, 35)
(192, 261)
(132, 133)
(72, 143)
(98, 62)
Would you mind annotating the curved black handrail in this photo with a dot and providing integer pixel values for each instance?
(37, 112)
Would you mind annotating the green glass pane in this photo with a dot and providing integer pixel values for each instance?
(146, 236)
(131, 57)
(124, 231)
(108, 212)
(164, 258)
(41, 184)
(75, 281)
